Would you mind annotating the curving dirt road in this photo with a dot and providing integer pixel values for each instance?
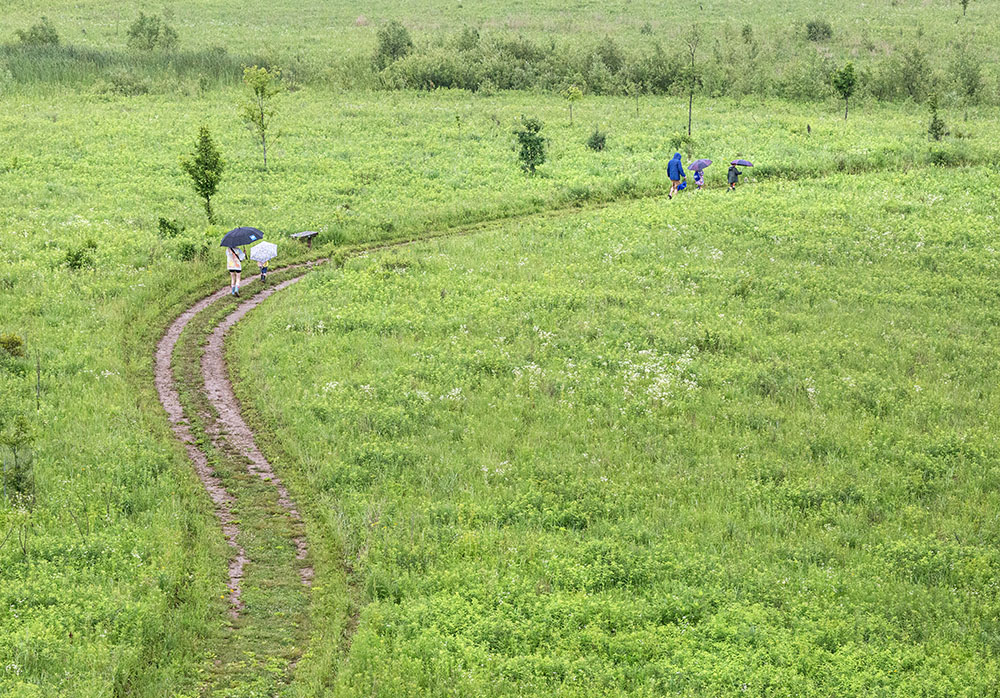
(229, 437)
(230, 424)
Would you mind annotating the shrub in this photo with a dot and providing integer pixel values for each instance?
(170, 228)
(42, 33)
(81, 257)
(438, 68)
(12, 345)
(17, 475)
(937, 129)
(127, 84)
(149, 32)
(597, 139)
(187, 251)
(610, 54)
(532, 145)
(681, 141)
(818, 30)
(394, 42)
(467, 39)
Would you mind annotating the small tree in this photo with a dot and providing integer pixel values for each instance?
(844, 82)
(965, 6)
(257, 109)
(968, 73)
(42, 33)
(937, 128)
(690, 76)
(18, 477)
(394, 42)
(149, 32)
(572, 94)
(597, 140)
(532, 145)
(205, 169)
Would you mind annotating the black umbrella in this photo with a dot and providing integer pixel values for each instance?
(241, 236)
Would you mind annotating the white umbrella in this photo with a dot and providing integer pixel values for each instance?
(263, 251)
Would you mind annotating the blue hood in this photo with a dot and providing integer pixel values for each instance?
(675, 170)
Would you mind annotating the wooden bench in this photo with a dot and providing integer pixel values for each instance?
(305, 235)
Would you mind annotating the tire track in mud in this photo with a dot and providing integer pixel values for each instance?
(169, 395)
(230, 425)
(221, 398)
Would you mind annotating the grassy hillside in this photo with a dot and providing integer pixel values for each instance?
(112, 568)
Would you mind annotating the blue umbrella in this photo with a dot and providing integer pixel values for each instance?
(241, 236)
(699, 164)
(742, 163)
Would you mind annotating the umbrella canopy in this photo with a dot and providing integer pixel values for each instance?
(241, 236)
(263, 251)
(742, 163)
(699, 164)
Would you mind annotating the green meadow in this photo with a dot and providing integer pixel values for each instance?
(585, 440)
(727, 444)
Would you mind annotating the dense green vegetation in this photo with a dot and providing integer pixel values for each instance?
(903, 49)
(849, 458)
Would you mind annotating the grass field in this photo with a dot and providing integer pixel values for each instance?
(789, 390)
(660, 449)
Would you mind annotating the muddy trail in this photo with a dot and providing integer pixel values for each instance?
(269, 568)
(269, 572)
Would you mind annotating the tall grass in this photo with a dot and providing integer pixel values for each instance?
(81, 66)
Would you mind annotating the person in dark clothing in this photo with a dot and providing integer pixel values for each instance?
(733, 177)
(675, 171)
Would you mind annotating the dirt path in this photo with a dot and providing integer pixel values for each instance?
(170, 399)
(234, 430)
(230, 438)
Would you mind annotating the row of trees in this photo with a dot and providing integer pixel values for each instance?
(725, 61)
(696, 61)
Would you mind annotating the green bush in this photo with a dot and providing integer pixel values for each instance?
(12, 344)
(127, 83)
(937, 129)
(149, 32)
(532, 145)
(818, 30)
(41, 34)
(597, 139)
(170, 228)
(81, 257)
(187, 251)
(427, 71)
(394, 42)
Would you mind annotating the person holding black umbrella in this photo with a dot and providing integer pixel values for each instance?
(234, 263)
(234, 257)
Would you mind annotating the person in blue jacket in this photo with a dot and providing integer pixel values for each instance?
(675, 170)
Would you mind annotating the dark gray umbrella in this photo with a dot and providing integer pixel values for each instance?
(241, 236)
